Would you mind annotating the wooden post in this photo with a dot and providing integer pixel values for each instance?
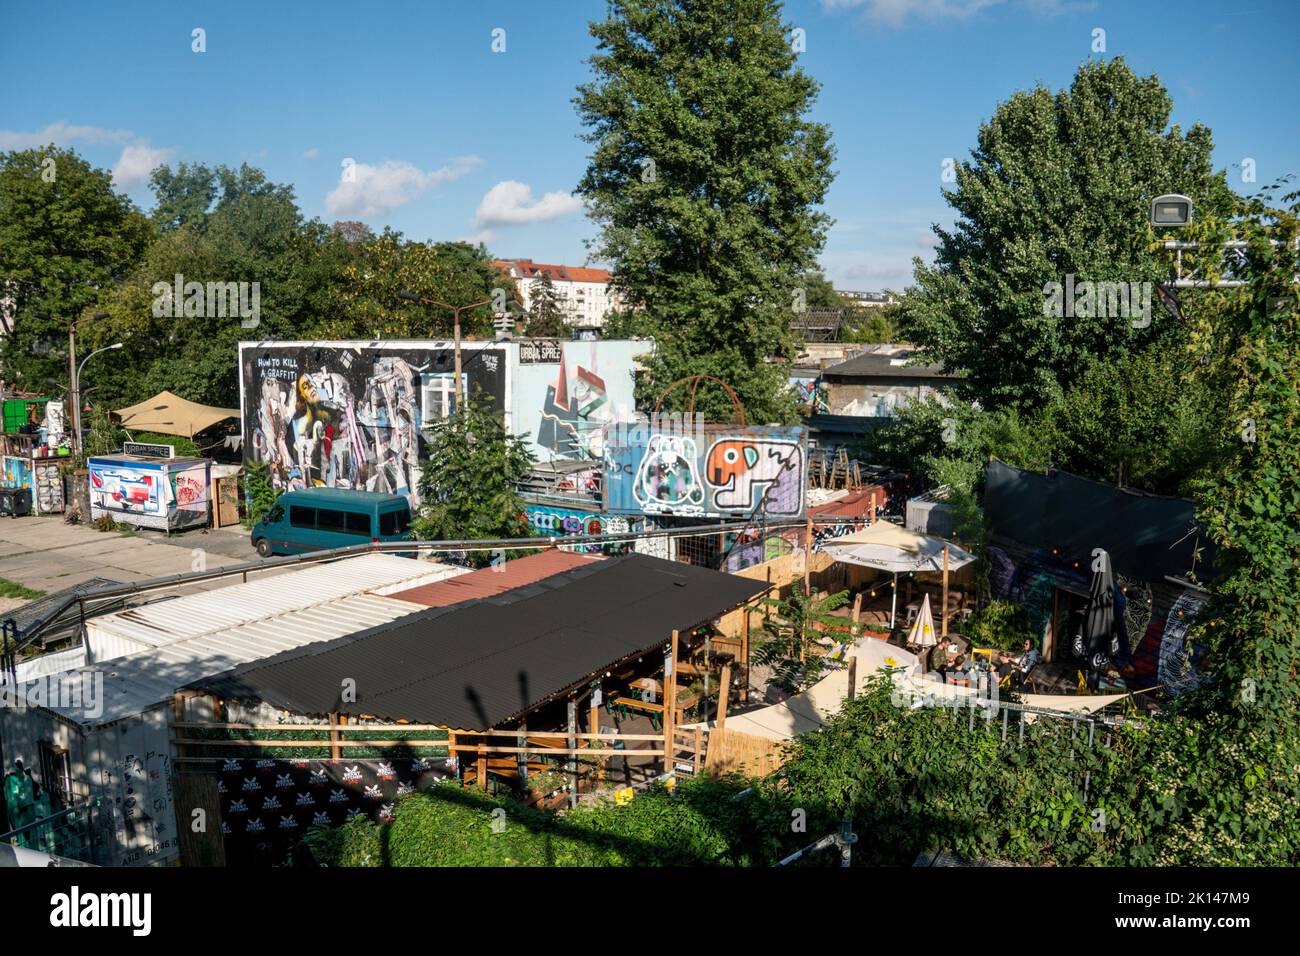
(807, 556)
(944, 630)
(452, 755)
(724, 693)
(670, 702)
(873, 508)
(593, 726)
(857, 615)
(697, 750)
(521, 758)
(178, 714)
(1050, 649)
(335, 737)
(744, 657)
(573, 757)
(480, 768)
(853, 677)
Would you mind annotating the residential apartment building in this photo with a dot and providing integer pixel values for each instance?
(584, 294)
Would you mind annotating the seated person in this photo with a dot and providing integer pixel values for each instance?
(937, 660)
(959, 668)
(1023, 663)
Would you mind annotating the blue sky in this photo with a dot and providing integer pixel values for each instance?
(451, 140)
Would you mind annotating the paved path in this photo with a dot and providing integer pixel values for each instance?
(48, 554)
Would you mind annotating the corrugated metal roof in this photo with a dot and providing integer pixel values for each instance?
(480, 665)
(220, 609)
(497, 579)
(139, 682)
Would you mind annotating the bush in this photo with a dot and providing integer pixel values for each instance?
(259, 493)
(1001, 625)
(357, 843)
(697, 824)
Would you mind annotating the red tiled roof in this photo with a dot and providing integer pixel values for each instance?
(529, 269)
(496, 580)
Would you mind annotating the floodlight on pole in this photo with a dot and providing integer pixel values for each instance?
(1171, 210)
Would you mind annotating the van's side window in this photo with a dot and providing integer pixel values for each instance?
(394, 522)
(276, 514)
(302, 516)
(359, 523)
(328, 519)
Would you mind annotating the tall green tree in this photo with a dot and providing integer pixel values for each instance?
(545, 316)
(1059, 184)
(66, 237)
(221, 226)
(456, 273)
(705, 177)
(468, 484)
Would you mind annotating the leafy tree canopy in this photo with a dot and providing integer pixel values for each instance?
(468, 482)
(65, 238)
(705, 178)
(545, 317)
(1059, 184)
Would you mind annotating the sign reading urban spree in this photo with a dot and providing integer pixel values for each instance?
(540, 351)
(148, 449)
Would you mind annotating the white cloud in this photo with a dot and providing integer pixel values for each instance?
(137, 161)
(61, 133)
(365, 190)
(511, 203)
(311, 153)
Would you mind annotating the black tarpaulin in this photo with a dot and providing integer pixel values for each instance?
(1147, 536)
(477, 665)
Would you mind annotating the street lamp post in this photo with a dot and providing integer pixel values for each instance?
(76, 390)
(455, 311)
(75, 420)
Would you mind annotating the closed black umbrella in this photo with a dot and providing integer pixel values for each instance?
(1098, 640)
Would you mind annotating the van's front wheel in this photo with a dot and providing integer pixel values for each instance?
(263, 547)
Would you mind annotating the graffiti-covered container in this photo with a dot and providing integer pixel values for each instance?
(169, 494)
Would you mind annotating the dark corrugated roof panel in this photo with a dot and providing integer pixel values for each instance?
(497, 579)
(479, 665)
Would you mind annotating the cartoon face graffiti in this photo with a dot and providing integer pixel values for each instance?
(744, 472)
(666, 479)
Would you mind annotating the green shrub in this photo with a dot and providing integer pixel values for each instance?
(1001, 625)
(259, 493)
(357, 843)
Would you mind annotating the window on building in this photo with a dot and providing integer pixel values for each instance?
(56, 771)
(438, 395)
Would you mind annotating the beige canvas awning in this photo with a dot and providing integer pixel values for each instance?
(169, 414)
(888, 547)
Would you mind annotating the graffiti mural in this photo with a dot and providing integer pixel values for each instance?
(18, 472)
(564, 522)
(566, 396)
(350, 416)
(167, 494)
(1164, 657)
(573, 426)
(712, 470)
(742, 470)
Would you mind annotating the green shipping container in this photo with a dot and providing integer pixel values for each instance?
(16, 412)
